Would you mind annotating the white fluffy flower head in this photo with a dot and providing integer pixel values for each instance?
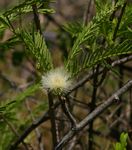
(56, 80)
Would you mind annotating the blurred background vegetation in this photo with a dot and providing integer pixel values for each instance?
(22, 102)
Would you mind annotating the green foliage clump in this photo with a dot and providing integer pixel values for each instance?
(37, 47)
(95, 42)
(123, 142)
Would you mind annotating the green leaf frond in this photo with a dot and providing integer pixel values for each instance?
(10, 106)
(86, 34)
(125, 26)
(94, 42)
(13, 103)
(36, 46)
(9, 112)
(90, 59)
(26, 7)
(94, 58)
(23, 8)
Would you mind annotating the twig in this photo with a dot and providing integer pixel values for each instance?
(127, 68)
(14, 130)
(120, 84)
(5, 78)
(121, 61)
(52, 119)
(103, 77)
(33, 126)
(78, 102)
(90, 75)
(114, 123)
(67, 112)
(119, 20)
(36, 18)
(38, 134)
(12, 27)
(86, 14)
(114, 111)
(130, 105)
(72, 144)
(93, 115)
(50, 18)
(93, 105)
(113, 14)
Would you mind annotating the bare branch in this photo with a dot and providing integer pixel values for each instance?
(90, 75)
(36, 18)
(87, 12)
(93, 115)
(67, 112)
(14, 130)
(37, 132)
(119, 20)
(33, 126)
(52, 119)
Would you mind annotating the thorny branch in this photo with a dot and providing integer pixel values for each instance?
(93, 115)
(45, 117)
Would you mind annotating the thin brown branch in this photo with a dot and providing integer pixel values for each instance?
(121, 61)
(113, 14)
(93, 105)
(8, 80)
(110, 101)
(78, 102)
(119, 20)
(53, 20)
(37, 132)
(67, 112)
(90, 75)
(36, 18)
(86, 14)
(13, 130)
(53, 121)
(130, 105)
(33, 126)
